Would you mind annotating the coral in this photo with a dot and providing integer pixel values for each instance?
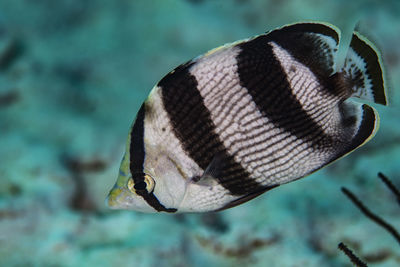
(354, 259)
(382, 254)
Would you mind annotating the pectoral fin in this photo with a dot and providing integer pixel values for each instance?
(213, 170)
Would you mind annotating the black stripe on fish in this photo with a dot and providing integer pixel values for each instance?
(310, 49)
(193, 126)
(137, 157)
(136, 148)
(266, 81)
(311, 27)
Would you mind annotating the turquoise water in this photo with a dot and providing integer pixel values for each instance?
(72, 77)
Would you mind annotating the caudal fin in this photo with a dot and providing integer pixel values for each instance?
(363, 67)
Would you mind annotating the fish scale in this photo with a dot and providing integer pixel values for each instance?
(221, 117)
(185, 131)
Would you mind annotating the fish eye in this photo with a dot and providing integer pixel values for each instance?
(140, 186)
(147, 184)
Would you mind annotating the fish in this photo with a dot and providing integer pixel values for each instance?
(249, 116)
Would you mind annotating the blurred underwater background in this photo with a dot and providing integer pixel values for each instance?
(73, 75)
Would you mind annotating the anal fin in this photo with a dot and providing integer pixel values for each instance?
(247, 197)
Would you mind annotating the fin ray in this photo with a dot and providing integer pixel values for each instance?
(363, 65)
(314, 44)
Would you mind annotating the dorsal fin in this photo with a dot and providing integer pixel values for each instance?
(321, 28)
(314, 44)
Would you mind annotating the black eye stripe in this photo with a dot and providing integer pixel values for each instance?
(137, 157)
(138, 178)
(153, 201)
(136, 148)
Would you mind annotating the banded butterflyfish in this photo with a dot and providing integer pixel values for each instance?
(249, 116)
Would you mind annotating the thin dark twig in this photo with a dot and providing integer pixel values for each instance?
(390, 185)
(371, 215)
(353, 258)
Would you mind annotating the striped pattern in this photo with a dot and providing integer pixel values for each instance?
(248, 116)
(303, 92)
(311, 44)
(269, 107)
(257, 116)
(273, 118)
(193, 126)
(137, 157)
(269, 86)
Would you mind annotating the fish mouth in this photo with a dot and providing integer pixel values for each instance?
(112, 201)
(118, 192)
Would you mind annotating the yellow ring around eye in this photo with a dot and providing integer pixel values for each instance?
(148, 180)
(149, 183)
(131, 185)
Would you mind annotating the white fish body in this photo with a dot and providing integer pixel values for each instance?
(246, 117)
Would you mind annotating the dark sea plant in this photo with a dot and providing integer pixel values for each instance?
(372, 216)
